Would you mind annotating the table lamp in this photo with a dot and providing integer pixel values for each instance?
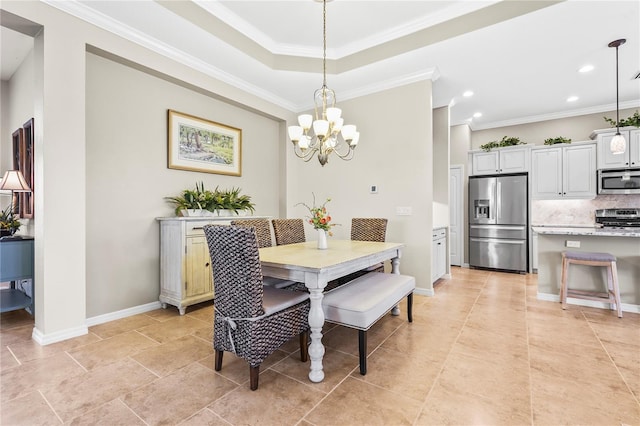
(15, 182)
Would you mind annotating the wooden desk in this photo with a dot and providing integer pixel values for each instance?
(16, 263)
(303, 262)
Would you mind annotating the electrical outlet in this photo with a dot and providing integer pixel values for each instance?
(403, 211)
(573, 244)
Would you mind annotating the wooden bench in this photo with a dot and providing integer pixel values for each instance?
(362, 302)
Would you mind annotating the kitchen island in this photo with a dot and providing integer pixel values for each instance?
(622, 243)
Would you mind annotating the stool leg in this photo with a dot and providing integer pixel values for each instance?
(563, 284)
(616, 287)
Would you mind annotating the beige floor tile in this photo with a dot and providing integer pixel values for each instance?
(279, 400)
(164, 314)
(336, 366)
(433, 341)
(11, 336)
(205, 417)
(205, 334)
(617, 332)
(560, 401)
(109, 350)
(7, 360)
(355, 402)
(203, 312)
(626, 357)
(174, 354)
(237, 369)
(492, 346)
(112, 328)
(29, 350)
(15, 319)
(412, 375)
(114, 412)
(36, 374)
(79, 394)
(446, 407)
(345, 339)
(28, 410)
(177, 396)
(492, 380)
(173, 328)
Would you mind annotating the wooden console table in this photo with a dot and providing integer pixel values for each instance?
(16, 263)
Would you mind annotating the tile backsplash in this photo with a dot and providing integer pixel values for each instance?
(577, 212)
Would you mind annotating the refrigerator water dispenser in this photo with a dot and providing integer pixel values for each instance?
(481, 209)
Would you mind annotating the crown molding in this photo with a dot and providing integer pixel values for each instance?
(104, 22)
(552, 116)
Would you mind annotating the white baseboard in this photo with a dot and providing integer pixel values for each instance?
(140, 309)
(58, 336)
(626, 307)
(424, 291)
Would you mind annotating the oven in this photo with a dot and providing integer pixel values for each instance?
(619, 181)
(618, 218)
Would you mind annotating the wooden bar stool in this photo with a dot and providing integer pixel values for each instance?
(612, 293)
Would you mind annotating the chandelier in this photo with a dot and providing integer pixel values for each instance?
(328, 125)
(618, 144)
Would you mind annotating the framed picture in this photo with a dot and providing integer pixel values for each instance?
(201, 145)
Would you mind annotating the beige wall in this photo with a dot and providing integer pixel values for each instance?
(128, 178)
(441, 144)
(575, 128)
(396, 158)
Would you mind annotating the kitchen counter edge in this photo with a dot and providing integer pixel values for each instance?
(599, 232)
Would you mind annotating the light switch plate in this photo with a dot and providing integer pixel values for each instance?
(573, 244)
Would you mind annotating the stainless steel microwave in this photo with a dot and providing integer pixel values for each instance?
(619, 181)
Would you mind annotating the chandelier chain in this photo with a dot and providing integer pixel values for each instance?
(324, 43)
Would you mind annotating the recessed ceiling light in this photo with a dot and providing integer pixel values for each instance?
(572, 98)
(586, 68)
(467, 94)
(477, 114)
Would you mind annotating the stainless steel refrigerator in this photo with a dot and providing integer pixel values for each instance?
(498, 222)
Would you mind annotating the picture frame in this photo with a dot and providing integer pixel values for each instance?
(200, 145)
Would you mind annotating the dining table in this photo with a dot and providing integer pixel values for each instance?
(305, 263)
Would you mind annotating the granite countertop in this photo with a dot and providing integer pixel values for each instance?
(585, 230)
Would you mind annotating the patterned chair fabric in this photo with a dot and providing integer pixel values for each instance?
(368, 229)
(240, 322)
(262, 227)
(288, 231)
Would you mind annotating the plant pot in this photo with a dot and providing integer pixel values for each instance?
(322, 239)
(195, 213)
(5, 232)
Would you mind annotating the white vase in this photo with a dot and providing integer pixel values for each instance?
(322, 239)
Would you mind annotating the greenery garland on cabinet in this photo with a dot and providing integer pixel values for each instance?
(505, 141)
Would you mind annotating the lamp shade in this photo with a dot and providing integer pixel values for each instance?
(618, 144)
(14, 181)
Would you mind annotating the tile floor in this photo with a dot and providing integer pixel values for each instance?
(483, 350)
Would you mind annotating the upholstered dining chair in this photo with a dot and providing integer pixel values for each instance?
(262, 229)
(288, 231)
(250, 319)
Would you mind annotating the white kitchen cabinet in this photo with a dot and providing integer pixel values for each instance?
(185, 265)
(629, 159)
(562, 172)
(500, 160)
(438, 254)
(534, 252)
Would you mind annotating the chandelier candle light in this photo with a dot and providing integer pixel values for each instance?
(618, 144)
(328, 123)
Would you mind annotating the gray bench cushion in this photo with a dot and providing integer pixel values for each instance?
(361, 302)
(589, 256)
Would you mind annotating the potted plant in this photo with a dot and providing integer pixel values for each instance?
(203, 202)
(505, 141)
(193, 202)
(9, 222)
(559, 139)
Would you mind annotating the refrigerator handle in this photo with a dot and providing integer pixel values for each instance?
(499, 199)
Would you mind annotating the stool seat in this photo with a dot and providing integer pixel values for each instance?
(589, 256)
(610, 294)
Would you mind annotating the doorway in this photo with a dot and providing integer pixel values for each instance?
(456, 190)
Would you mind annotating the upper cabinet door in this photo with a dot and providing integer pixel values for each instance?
(546, 173)
(634, 148)
(579, 171)
(485, 163)
(514, 160)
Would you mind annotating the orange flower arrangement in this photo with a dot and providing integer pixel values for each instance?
(319, 218)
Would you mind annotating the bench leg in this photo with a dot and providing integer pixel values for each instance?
(218, 363)
(254, 373)
(410, 307)
(362, 350)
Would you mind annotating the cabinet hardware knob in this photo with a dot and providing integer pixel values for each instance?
(207, 264)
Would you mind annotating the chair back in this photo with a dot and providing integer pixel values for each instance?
(237, 274)
(368, 229)
(262, 229)
(288, 231)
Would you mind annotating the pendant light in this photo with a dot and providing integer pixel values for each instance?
(618, 144)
